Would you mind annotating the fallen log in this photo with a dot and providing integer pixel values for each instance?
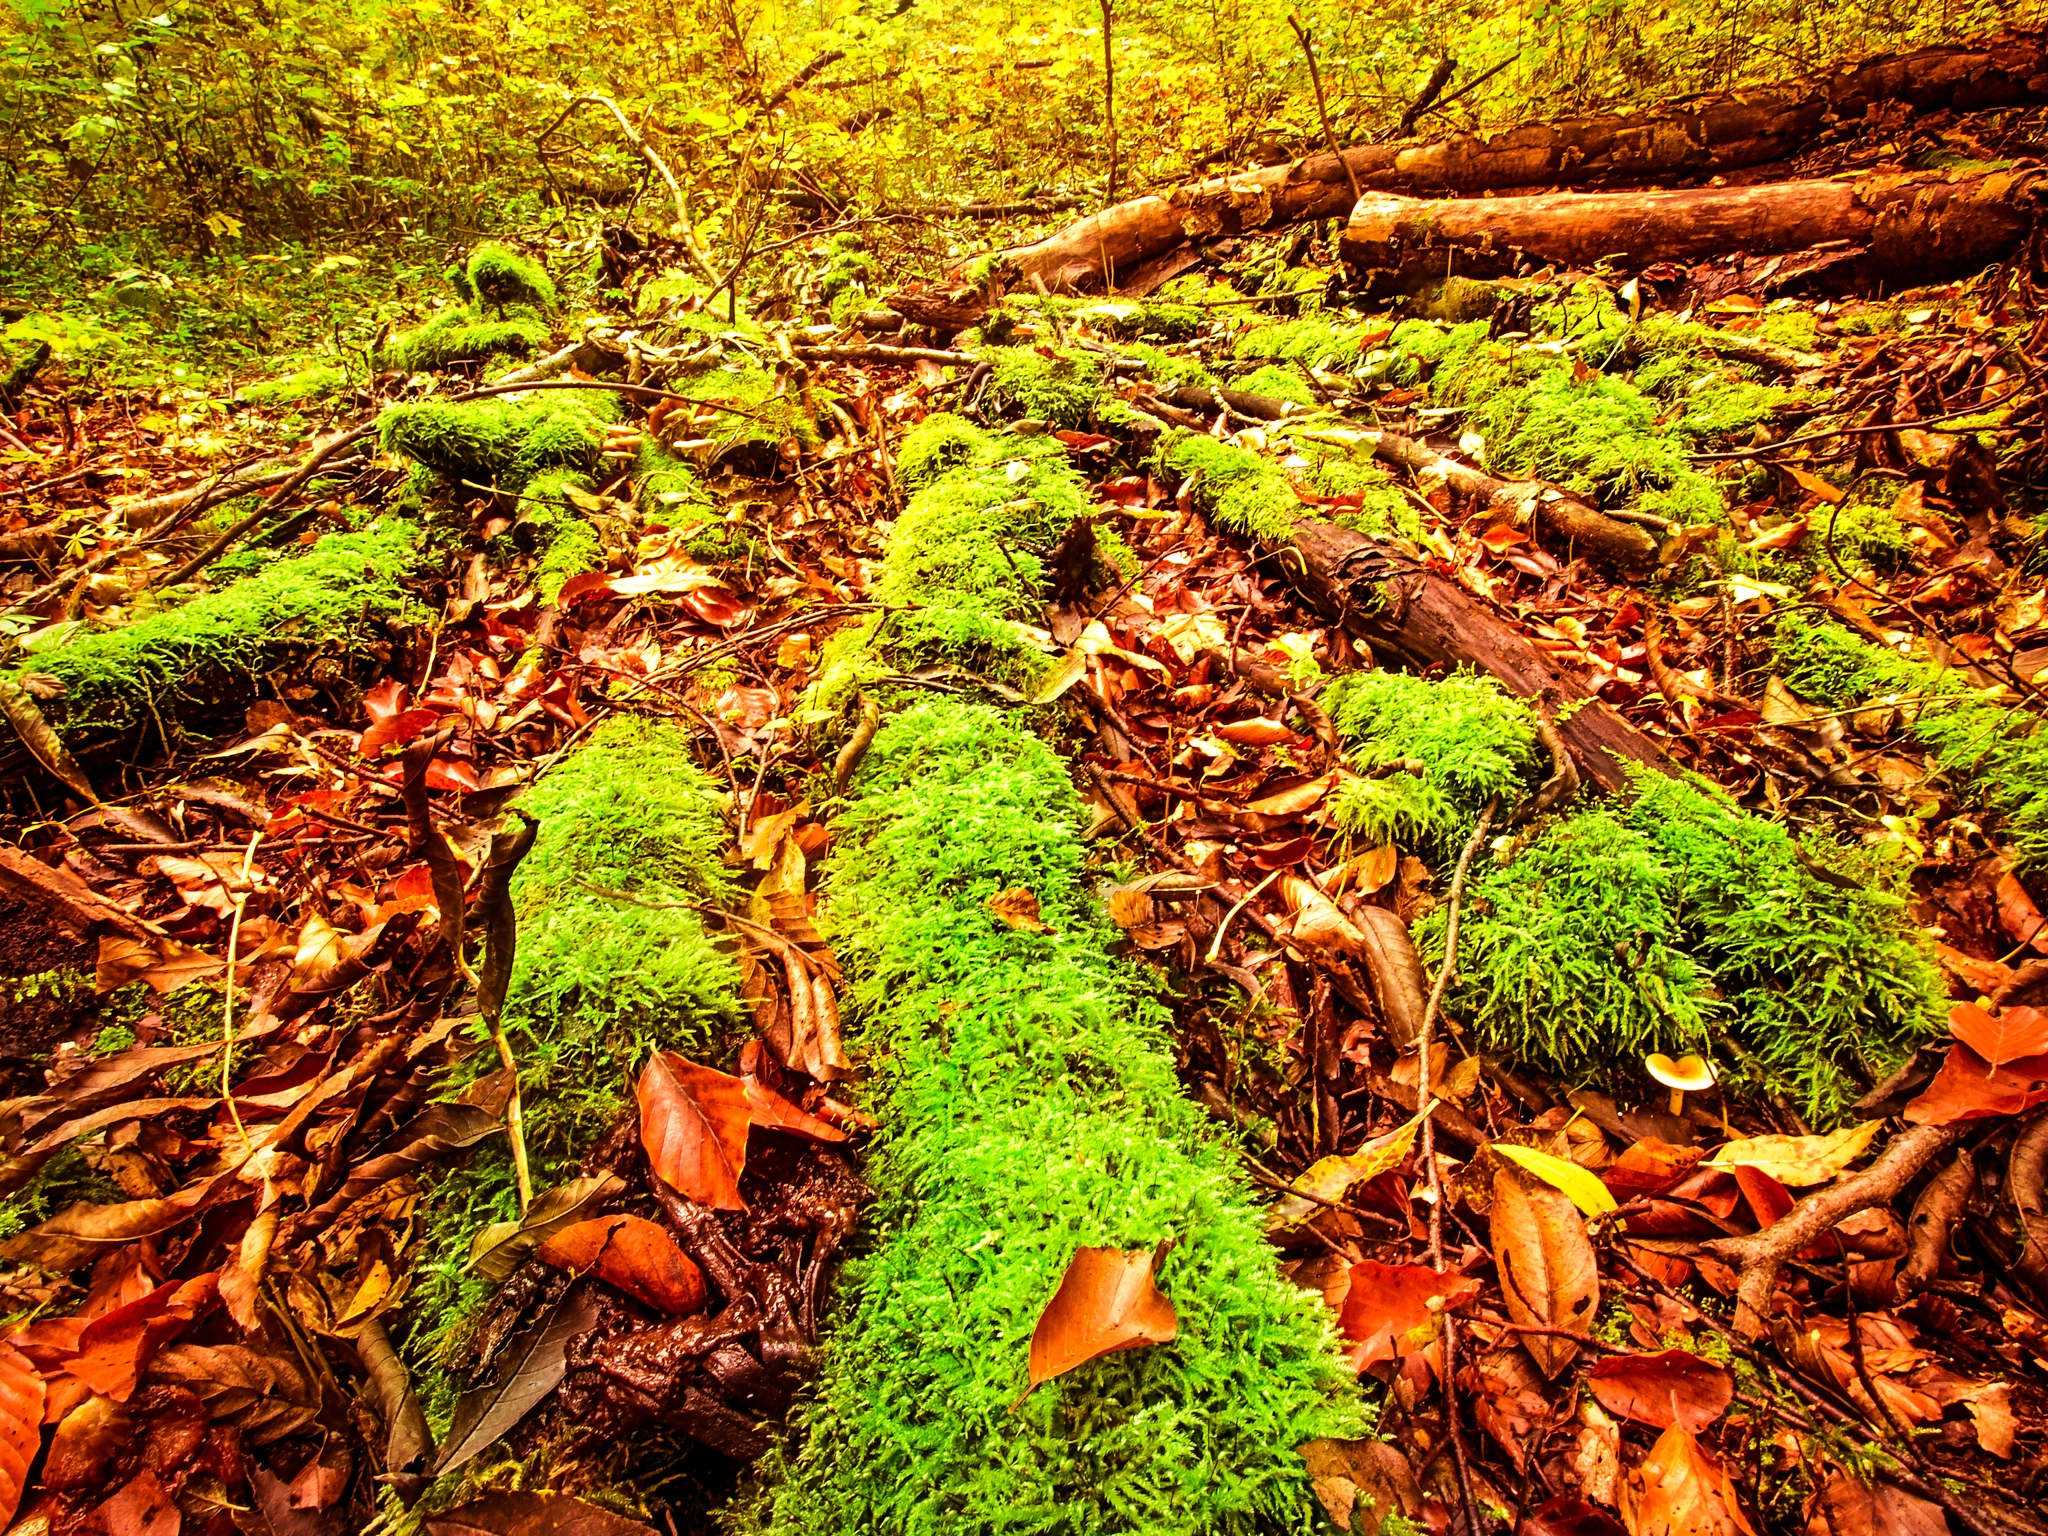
(1897, 228)
(1701, 136)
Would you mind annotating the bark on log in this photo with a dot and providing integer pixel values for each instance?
(1909, 228)
(1371, 590)
(1696, 137)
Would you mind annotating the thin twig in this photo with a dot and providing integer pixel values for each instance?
(1315, 78)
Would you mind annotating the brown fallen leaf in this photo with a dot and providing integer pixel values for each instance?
(1017, 907)
(525, 1513)
(633, 1254)
(1295, 798)
(1342, 1472)
(531, 1367)
(1550, 1276)
(693, 1123)
(498, 1249)
(1671, 1387)
(1680, 1490)
(20, 710)
(21, 1426)
(1106, 1302)
(1855, 1508)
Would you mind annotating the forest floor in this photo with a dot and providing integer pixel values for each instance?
(245, 798)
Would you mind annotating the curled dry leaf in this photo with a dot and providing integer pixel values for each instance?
(1294, 798)
(1255, 732)
(1106, 1302)
(499, 1249)
(1680, 1490)
(1393, 1309)
(1799, 1161)
(693, 1123)
(633, 1254)
(771, 1110)
(1671, 1387)
(1018, 907)
(21, 1426)
(1549, 1273)
(43, 743)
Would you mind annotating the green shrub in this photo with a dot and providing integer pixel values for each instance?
(1029, 1107)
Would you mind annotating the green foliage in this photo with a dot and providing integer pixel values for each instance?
(1029, 1107)
(504, 439)
(1169, 370)
(939, 443)
(1278, 383)
(1474, 740)
(1996, 753)
(596, 984)
(500, 277)
(568, 544)
(1660, 927)
(1382, 510)
(1129, 319)
(457, 336)
(315, 383)
(330, 597)
(1313, 341)
(764, 412)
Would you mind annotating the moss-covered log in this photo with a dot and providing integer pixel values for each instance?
(1910, 228)
(1698, 137)
(1029, 1108)
(202, 656)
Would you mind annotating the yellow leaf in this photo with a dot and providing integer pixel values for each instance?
(1329, 1177)
(1578, 1185)
(1018, 907)
(1797, 1161)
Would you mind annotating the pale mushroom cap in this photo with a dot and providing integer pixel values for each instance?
(1688, 1074)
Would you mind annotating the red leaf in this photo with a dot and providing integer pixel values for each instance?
(1663, 1389)
(1680, 1490)
(112, 1350)
(396, 730)
(634, 1254)
(1389, 1302)
(453, 773)
(2016, 910)
(1106, 1302)
(21, 1426)
(715, 605)
(1650, 1167)
(143, 1508)
(769, 1108)
(2006, 1036)
(1769, 1201)
(1969, 1088)
(385, 700)
(693, 1123)
(576, 588)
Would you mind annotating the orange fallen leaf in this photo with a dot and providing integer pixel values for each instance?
(1296, 798)
(1256, 732)
(1106, 1302)
(633, 1254)
(1680, 1490)
(1969, 1088)
(2021, 918)
(1388, 1304)
(2002, 1037)
(1671, 1387)
(1018, 907)
(693, 1123)
(21, 1426)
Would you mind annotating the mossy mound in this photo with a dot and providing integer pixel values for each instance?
(1474, 740)
(1995, 753)
(461, 336)
(1248, 493)
(334, 597)
(1682, 920)
(1063, 390)
(765, 414)
(596, 985)
(502, 278)
(1128, 319)
(1277, 383)
(505, 439)
(308, 384)
(1029, 1107)
(1313, 341)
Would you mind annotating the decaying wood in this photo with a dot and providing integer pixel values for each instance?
(1393, 602)
(1908, 228)
(1698, 137)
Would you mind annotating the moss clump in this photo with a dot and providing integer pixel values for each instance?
(1798, 329)
(459, 336)
(1061, 391)
(939, 443)
(1615, 935)
(1127, 319)
(1278, 383)
(596, 984)
(333, 597)
(1475, 743)
(505, 439)
(501, 277)
(666, 487)
(1029, 1107)
(315, 383)
(764, 412)
(1997, 754)
(1243, 490)
(1170, 370)
(1313, 341)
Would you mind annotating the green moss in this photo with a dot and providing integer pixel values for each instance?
(1170, 370)
(1029, 1107)
(1658, 928)
(848, 265)
(315, 383)
(941, 442)
(1243, 490)
(500, 276)
(1313, 341)
(1125, 318)
(504, 439)
(1475, 743)
(764, 411)
(1373, 503)
(334, 597)
(676, 298)
(457, 336)
(1871, 320)
(596, 985)
(1061, 391)
(1996, 754)
(1278, 383)
(1798, 329)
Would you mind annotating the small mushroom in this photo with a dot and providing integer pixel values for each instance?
(1688, 1074)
